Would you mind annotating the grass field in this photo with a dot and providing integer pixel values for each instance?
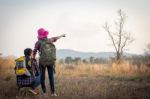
(84, 81)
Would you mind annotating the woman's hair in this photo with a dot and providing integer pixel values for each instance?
(27, 52)
(42, 38)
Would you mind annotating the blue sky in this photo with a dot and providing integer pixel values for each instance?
(80, 20)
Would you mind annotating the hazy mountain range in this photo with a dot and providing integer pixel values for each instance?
(63, 53)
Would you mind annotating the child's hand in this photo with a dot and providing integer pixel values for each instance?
(54, 71)
(64, 35)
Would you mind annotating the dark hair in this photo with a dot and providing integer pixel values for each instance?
(27, 52)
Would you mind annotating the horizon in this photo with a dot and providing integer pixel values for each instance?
(80, 20)
(76, 51)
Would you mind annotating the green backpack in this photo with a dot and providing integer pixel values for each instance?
(47, 52)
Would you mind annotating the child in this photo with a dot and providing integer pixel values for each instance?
(28, 78)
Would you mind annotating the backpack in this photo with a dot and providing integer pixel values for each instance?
(47, 52)
(20, 68)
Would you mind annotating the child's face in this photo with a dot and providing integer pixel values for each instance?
(31, 53)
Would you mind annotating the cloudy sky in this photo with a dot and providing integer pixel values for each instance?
(80, 20)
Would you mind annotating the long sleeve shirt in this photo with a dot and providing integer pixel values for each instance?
(37, 44)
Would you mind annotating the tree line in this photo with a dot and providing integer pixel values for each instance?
(79, 60)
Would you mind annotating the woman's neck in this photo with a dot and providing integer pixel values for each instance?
(43, 38)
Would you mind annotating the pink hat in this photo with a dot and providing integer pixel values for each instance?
(42, 33)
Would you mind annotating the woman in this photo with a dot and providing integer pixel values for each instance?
(47, 58)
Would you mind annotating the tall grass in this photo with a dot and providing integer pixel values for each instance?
(124, 69)
(82, 81)
(7, 65)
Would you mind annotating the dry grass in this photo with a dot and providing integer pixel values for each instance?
(122, 69)
(6, 66)
(84, 81)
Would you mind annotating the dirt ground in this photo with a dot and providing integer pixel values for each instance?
(97, 87)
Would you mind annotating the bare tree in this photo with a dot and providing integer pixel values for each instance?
(119, 37)
(147, 51)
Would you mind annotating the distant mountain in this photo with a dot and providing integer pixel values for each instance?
(63, 53)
